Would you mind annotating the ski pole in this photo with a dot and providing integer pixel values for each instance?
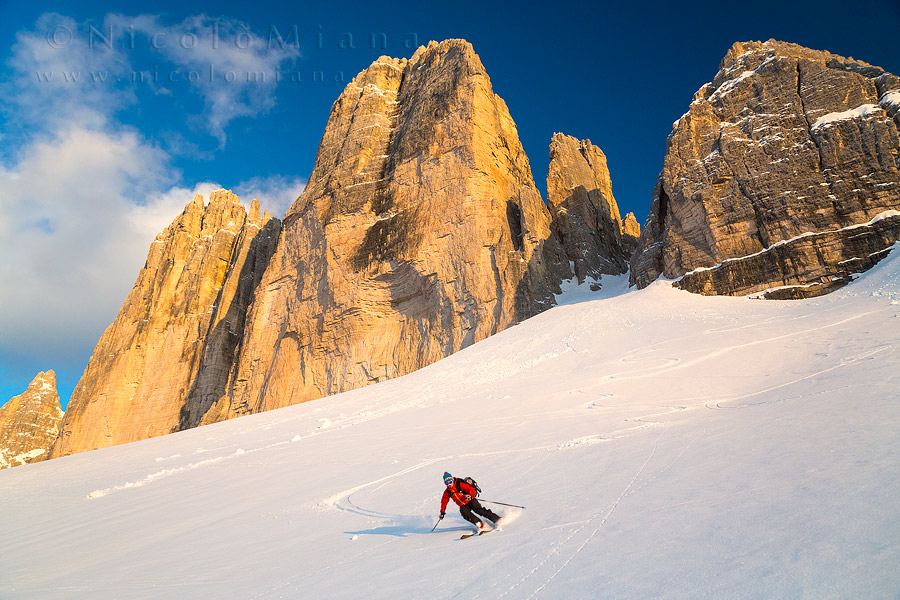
(435, 525)
(503, 503)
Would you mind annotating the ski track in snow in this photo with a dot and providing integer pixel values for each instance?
(721, 404)
(673, 364)
(292, 581)
(325, 425)
(560, 545)
(340, 500)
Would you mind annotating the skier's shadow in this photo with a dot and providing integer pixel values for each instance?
(405, 530)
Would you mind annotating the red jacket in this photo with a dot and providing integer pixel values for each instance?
(460, 491)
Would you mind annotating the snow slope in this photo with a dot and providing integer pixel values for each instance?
(666, 445)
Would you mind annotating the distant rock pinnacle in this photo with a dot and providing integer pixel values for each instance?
(585, 213)
(29, 423)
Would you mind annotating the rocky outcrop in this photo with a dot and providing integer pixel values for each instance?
(420, 232)
(29, 423)
(173, 344)
(631, 234)
(630, 226)
(585, 213)
(783, 175)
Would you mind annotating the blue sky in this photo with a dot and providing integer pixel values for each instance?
(91, 170)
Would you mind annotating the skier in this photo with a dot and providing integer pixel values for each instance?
(464, 495)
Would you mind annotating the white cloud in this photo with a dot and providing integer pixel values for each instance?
(275, 193)
(60, 78)
(235, 66)
(51, 86)
(160, 209)
(82, 196)
(80, 211)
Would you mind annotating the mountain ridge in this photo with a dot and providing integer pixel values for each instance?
(421, 232)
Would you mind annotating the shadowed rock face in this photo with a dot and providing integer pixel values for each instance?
(420, 232)
(585, 213)
(172, 346)
(782, 174)
(29, 423)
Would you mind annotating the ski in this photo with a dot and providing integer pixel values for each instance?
(468, 535)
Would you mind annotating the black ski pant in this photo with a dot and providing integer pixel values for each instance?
(473, 507)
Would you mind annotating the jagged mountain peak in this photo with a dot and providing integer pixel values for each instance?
(44, 381)
(771, 47)
(167, 352)
(419, 232)
(585, 213)
(29, 422)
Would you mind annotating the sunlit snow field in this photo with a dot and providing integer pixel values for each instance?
(665, 445)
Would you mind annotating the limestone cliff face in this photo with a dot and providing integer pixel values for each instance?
(419, 233)
(172, 346)
(630, 226)
(585, 214)
(782, 174)
(29, 423)
(631, 234)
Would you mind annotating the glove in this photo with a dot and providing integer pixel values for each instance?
(468, 498)
(442, 516)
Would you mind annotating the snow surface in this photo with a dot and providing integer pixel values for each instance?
(729, 85)
(891, 98)
(854, 113)
(666, 445)
(18, 459)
